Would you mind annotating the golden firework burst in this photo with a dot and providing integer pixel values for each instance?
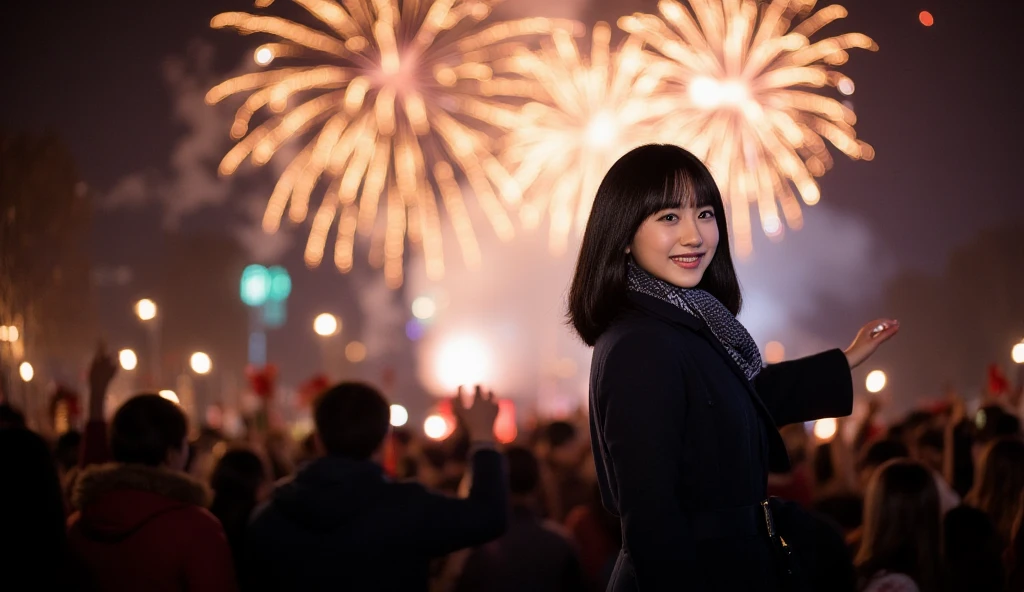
(742, 75)
(584, 113)
(379, 93)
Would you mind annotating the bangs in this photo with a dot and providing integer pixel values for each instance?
(684, 187)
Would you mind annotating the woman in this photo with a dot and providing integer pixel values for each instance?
(999, 483)
(901, 548)
(683, 418)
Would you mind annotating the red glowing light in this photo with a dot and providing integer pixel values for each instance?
(926, 18)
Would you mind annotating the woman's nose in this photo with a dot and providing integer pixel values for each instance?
(689, 234)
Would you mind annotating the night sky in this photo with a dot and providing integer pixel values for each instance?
(940, 105)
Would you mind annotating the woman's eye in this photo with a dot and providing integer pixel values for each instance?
(706, 214)
(670, 217)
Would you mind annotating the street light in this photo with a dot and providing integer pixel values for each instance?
(399, 416)
(27, 371)
(1018, 353)
(128, 359)
(326, 324)
(875, 381)
(145, 309)
(170, 396)
(201, 363)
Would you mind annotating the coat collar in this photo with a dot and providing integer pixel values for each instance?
(97, 481)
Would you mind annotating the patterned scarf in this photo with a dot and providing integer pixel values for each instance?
(730, 332)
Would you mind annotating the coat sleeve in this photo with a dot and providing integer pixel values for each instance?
(808, 388)
(641, 399)
(447, 524)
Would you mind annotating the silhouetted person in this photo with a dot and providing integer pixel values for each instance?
(534, 555)
(141, 523)
(901, 549)
(239, 480)
(340, 524)
(999, 481)
(34, 549)
(11, 417)
(973, 551)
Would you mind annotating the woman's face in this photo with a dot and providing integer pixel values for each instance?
(676, 245)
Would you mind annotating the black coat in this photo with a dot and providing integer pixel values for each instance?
(681, 436)
(342, 525)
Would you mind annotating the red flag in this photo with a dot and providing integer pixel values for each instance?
(998, 385)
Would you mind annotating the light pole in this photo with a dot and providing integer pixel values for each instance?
(202, 365)
(326, 326)
(1017, 353)
(146, 310)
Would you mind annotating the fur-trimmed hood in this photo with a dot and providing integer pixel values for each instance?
(116, 499)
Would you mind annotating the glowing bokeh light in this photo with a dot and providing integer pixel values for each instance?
(743, 79)
(170, 396)
(462, 361)
(26, 371)
(145, 309)
(263, 56)
(424, 308)
(825, 429)
(399, 416)
(414, 330)
(255, 285)
(128, 359)
(355, 352)
(383, 96)
(875, 381)
(774, 352)
(435, 427)
(325, 324)
(201, 363)
(926, 18)
(1017, 353)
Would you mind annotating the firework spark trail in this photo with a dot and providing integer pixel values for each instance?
(382, 98)
(740, 75)
(585, 112)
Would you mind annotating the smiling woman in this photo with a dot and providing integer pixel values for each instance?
(683, 413)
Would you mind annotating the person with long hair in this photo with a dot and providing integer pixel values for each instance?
(683, 414)
(901, 550)
(998, 484)
(32, 518)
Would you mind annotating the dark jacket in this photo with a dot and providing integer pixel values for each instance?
(681, 437)
(533, 556)
(142, 528)
(342, 525)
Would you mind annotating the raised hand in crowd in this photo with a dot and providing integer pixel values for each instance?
(101, 373)
(479, 416)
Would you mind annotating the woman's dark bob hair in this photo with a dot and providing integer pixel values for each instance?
(646, 180)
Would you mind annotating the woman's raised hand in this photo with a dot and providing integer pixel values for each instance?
(869, 338)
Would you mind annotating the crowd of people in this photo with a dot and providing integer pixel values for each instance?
(141, 501)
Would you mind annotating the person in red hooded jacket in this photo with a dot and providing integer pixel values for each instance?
(141, 522)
